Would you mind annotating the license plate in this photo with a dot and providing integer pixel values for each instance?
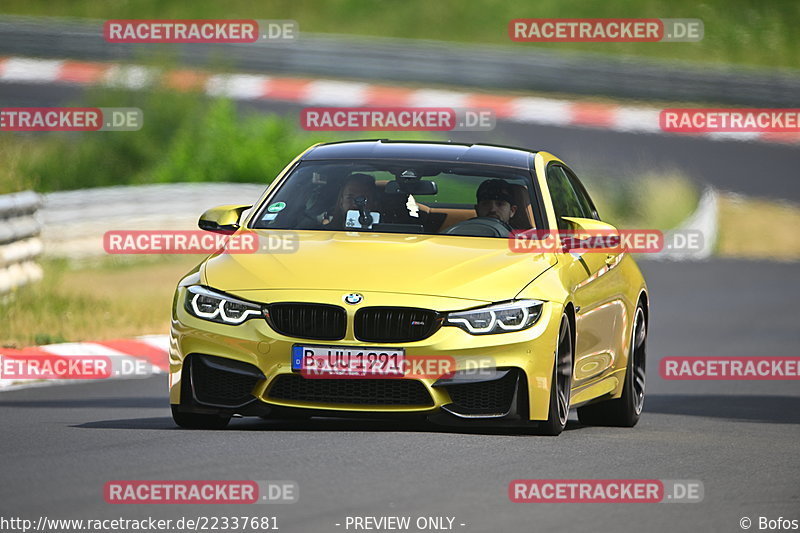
(351, 362)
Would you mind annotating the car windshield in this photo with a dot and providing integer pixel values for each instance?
(402, 197)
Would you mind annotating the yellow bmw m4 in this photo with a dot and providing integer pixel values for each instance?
(402, 295)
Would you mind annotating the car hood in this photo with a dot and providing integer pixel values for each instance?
(474, 268)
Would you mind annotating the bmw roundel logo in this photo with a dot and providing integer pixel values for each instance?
(353, 298)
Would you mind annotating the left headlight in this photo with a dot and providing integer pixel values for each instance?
(498, 318)
(217, 307)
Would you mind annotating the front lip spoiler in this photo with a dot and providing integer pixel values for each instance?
(458, 378)
(450, 409)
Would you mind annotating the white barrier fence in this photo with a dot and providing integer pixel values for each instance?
(73, 222)
(20, 243)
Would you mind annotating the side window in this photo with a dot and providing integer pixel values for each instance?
(565, 200)
(583, 197)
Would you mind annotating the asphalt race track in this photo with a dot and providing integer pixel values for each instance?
(61, 444)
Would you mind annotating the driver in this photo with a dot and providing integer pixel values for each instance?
(354, 186)
(496, 200)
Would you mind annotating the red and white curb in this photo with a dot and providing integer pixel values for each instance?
(322, 92)
(130, 358)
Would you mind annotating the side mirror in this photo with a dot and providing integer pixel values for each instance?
(589, 225)
(222, 219)
(590, 235)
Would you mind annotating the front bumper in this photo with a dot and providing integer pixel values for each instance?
(246, 369)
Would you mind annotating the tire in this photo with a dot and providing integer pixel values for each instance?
(561, 383)
(626, 410)
(199, 421)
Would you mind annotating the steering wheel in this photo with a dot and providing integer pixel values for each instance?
(308, 221)
(480, 227)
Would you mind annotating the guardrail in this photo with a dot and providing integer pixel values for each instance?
(20, 244)
(74, 222)
(513, 67)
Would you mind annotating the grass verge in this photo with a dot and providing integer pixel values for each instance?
(653, 201)
(752, 228)
(185, 137)
(101, 300)
(744, 32)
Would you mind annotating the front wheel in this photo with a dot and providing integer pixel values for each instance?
(624, 411)
(198, 421)
(561, 383)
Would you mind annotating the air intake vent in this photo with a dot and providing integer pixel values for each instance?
(292, 387)
(222, 382)
(487, 397)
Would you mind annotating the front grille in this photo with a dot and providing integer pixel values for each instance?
(485, 396)
(308, 320)
(293, 387)
(222, 382)
(395, 324)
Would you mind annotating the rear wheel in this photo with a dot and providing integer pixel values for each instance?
(624, 411)
(198, 421)
(561, 383)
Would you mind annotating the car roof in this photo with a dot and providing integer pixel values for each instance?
(488, 154)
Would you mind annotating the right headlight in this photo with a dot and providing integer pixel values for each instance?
(497, 318)
(218, 307)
